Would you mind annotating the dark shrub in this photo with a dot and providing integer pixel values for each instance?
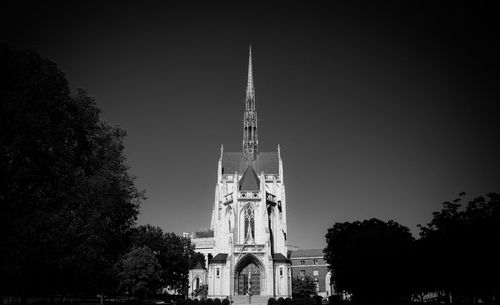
(271, 301)
(203, 302)
(177, 302)
(210, 302)
(195, 302)
(226, 302)
(317, 300)
(303, 301)
(288, 301)
(217, 301)
(334, 299)
(280, 301)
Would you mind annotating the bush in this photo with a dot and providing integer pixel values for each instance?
(317, 300)
(203, 301)
(298, 301)
(210, 302)
(226, 302)
(271, 301)
(304, 301)
(280, 301)
(288, 301)
(178, 302)
(217, 301)
(334, 299)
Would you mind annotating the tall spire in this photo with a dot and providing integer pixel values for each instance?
(250, 140)
(250, 88)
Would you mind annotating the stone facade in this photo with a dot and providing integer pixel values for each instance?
(248, 248)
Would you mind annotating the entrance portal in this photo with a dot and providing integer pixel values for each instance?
(248, 277)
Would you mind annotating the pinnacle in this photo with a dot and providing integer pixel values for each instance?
(250, 87)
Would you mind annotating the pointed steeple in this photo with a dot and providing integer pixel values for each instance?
(250, 140)
(250, 88)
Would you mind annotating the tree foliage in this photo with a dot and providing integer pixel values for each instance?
(201, 292)
(139, 272)
(175, 254)
(303, 287)
(458, 250)
(67, 200)
(371, 259)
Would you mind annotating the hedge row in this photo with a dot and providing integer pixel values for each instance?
(280, 301)
(215, 301)
(316, 300)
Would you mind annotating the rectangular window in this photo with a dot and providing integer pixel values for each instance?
(302, 262)
(315, 262)
(315, 272)
(281, 271)
(302, 273)
(218, 272)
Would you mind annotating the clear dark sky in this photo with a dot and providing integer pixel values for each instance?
(381, 110)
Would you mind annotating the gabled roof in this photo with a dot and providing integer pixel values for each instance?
(307, 253)
(280, 258)
(267, 162)
(198, 266)
(220, 258)
(249, 181)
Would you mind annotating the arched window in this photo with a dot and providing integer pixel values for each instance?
(197, 285)
(249, 222)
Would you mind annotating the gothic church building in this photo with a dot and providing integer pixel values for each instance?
(246, 243)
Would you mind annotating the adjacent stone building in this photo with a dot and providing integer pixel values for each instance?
(311, 263)
(246, 242)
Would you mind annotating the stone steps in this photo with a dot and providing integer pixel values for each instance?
(256, 299)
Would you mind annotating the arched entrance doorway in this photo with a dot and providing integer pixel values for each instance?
(247, 278)
(248, 275)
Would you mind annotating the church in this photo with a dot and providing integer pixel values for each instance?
(246, 246)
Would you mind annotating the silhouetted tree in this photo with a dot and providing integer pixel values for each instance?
(371, 259)
(303, 287)
(459, 252)
(67, 201)
(176, 261)
(175, 254)
(201, 292)
(148, 235)
(139, 272)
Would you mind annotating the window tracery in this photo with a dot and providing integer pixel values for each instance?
(249, 222)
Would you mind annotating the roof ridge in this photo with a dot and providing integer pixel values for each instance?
(267, 162)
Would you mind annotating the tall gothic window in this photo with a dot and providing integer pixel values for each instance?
(249, 221)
